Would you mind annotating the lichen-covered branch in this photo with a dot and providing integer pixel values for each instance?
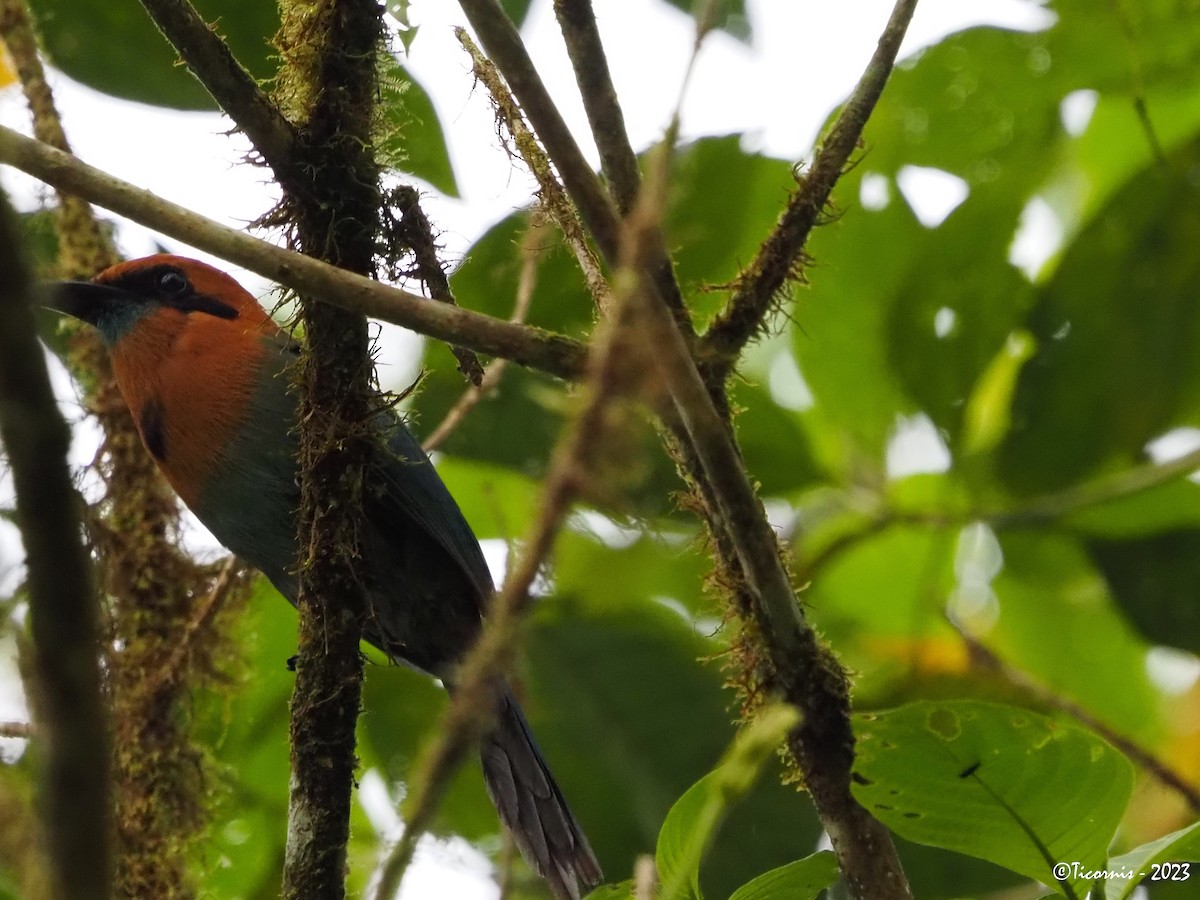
(553, 197)
(779, 255)
(523, 344)
(798, 667)
(75, 801)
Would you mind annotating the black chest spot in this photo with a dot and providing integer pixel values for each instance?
(153, 434)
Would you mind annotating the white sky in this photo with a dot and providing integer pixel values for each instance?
(804, 58)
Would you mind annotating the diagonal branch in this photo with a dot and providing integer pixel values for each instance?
(524, 344)
(577, 20)
(503, 44)
(613, 374)
(802, 669)
(759, 285)
(231, 86)
(551, 194)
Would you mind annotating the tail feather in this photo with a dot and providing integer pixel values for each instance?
(532, 806)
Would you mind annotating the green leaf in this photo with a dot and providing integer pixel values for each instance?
(1115, 328)
(1178, 846)
(1153, 579)
(410, 137)
(623, 711)
(730, 15)
(724, 201)
(843, 321)
(401, 709)
(517, 10)
(996, 782)
(799, 880)
(116, 48)
(773, 442)
(694, 819)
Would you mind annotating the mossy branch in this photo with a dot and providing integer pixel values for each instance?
(503, 44)
(148, 584)
(779, 255)
(331, 208)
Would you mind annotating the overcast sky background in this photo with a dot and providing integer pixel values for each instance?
(803, 59)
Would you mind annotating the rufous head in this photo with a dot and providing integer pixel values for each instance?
(180, 292)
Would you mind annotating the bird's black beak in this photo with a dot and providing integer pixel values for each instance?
(88, 302)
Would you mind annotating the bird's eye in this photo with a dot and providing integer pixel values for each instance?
(173, 283)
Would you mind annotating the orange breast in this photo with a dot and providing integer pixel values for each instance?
(188, 379)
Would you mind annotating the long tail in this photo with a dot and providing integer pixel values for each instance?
(532, 807)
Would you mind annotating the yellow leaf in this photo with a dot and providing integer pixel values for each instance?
(8, 71)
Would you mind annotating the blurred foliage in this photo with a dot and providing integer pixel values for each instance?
(1025, 560)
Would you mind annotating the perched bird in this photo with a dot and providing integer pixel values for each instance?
(203, 370)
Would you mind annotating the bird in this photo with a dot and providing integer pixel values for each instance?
(204, 371)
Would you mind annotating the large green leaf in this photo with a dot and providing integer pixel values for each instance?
(116, 48)
(1001, 783)
(1124, 46)
(842, 333)
(724, 201)
(409, 136)
(1115, 329)
(1154, 580)
(624, 710)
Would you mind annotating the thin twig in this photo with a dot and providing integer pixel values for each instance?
(554, 200)
(1043, 696)
(415, 230)
(495, 371)
(1074, 499)
(577, 21)
(231, 86)
(503, 44)
(22, 730)
(759, 285)
(74, 783)
(524, 344)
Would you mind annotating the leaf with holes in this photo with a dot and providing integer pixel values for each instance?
(1001, 783)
